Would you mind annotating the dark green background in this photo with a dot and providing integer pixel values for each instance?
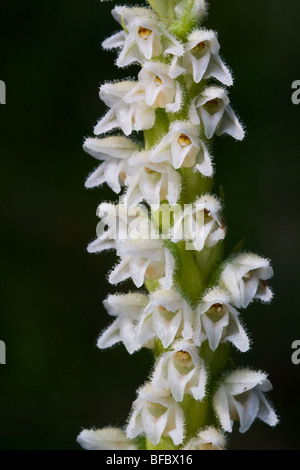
(56, 381)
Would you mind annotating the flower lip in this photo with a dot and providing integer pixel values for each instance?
(212, 106)
(199, 50)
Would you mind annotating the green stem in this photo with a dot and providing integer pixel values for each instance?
(161, 127)
(194, 184)
(187, 276)
(165, 443)
(197, 413)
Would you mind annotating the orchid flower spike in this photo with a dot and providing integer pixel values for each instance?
(154, 145)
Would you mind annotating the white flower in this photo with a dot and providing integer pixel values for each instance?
(182, 147)
(218, 322)
(167, 316)
(156, 88)
(114, 151)
(207, 439)
(145, 37)
(245, 279)
(201, 59)
(142, 260)
(152, 182)
(182, 371)
(241, 397)
(133, 115)
(105, 439)
(216, 114)
(127, 308)
(156, 414)
(119, 222)
(200, 224)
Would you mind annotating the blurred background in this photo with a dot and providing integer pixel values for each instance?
(56, 381)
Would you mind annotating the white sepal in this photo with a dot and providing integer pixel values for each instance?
(245, 278)
(218, 322)
(115, 41)
(156, 414)
(182, 371)
(240, 397)
(115, 152)
(127, 308)
(207, 439)
(105, 439)
(167, 316)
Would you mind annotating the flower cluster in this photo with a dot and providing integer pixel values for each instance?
(192, 311)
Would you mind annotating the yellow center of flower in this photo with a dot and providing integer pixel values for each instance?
(144, 33)
(123, 176)
(182, 356)
(149, 171)
(201, 45)
(207, 213)
(199, 50)
(161, 307)
(158, 81)
(217, 307)
(183, 362)
(212, 106)
(215, 312)
(247, 276)
(184, 140)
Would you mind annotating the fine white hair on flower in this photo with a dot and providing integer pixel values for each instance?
(245, 276)
(156, 88)
(166, 316)
(142, 260)
(182, 147)
(200, 224)
(105, 439)
(133, 115)
(114, 152)
(212, 108)
(119, 222)
(240, 397)
(218, 322)
(144, 37)
(182, 371)
(201, 59)
(156, 414)
(207, 439)
(127, 308)
(150, 181)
